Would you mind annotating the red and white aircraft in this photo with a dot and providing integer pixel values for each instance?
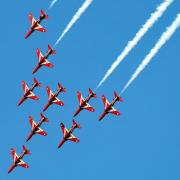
(52, 98)
(67, 134)
(83, 103)
(35, 25)
(36, 127)
(17, 160)
(42, 60)
(28, 92)
(108, 107)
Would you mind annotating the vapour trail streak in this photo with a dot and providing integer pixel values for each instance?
(162, 41)
(77, 15)
(131, 44)
(52, 4)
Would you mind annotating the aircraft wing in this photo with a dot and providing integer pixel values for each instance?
(40, 28)
(114, 111)
(25, 87)
(32, 20)
(49, 92)
(22, 164)
(58, 102)
(88, 107)
(39, 55)
(73, 138)
(105, 101)
(41, 132)
(32, 96)
(64, 130)
(47, 63)
(32, 123)
(14, 155)
(80, 98)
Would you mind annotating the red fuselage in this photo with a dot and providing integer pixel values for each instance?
(107, 109)
(34, 130)
(80, 108)
(32, 28)
(42, 61)
(16, 162)
(27, 93)
(52, 99)
(65, 138)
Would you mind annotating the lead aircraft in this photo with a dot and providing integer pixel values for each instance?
(17, 160)
(108, 107)
(67, 134)
(28, 92)
(35, 24)
(42, 60)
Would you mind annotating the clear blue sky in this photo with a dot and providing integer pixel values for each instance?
(142, 144)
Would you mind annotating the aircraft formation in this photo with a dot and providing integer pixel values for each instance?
(53, 99)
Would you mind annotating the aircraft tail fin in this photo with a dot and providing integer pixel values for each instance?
(26, 150)
(43, 117)
(76, 124)
(36, 82)
(43, 14)
(91, 92)
(117, 96)
(62, 127)
(51, 49)
(61, 87)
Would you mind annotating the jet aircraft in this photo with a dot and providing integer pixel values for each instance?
(36, 127)
(28, 92)
(52, 98)
(42, 60)
(67, 134)
(35, 24)
(17, 160)
(83, 103)
(108, 107)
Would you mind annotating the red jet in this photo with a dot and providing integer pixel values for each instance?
(36, 127)
(28, 92)
(53, 97)
(35, 25)
(42, 60)
(108, 107)
(83, 103)
(18, 159)
(67, 134)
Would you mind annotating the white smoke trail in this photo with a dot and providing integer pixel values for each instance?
(78, 14)
(163, 39)
(52, 4)
(131, 44)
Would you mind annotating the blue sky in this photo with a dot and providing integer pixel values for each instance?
(141, 144)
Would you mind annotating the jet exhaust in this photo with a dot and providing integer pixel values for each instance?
(52, 4)
(77, 15)
(162, 41)
(131, 44)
